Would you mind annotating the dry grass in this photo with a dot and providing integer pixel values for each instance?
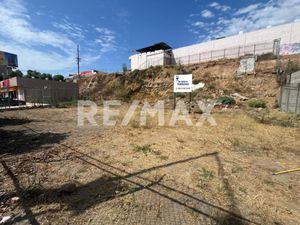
(248, 151)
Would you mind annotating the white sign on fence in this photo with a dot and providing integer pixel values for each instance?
(183, 83)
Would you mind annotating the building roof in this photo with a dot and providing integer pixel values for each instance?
(157, 46)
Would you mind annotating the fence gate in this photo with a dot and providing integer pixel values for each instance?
(290, 98)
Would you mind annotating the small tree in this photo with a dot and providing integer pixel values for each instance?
(58, 77)
(33, 73)
(16, 73)
(124, 67)
(46, 76)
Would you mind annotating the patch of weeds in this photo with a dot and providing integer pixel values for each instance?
(180, 95)
(164, 157)
(221, 189)
(268, 182)
(278, 119)
(82, 170)
(236, 169)
(211, 86)
(156, 152)
(196, 81)
(276, 104)
(283, 123)
(180, 140)
(149, 122)
(135, 123)
(243, 189)
(226, 100)
(241, 147)
(204, 177)
(207, 174)
(195, 93)
(143, 148)
(256, 103)
(207, 74)
(131, 188)
(235, 86)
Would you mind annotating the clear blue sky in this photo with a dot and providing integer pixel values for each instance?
(45, 33)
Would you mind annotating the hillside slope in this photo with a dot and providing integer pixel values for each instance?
(219, 76)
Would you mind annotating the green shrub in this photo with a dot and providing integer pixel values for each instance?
(226, 100)
(211, 86)
(255, 103)
(196, 81)
(180, 95)
(143, 148)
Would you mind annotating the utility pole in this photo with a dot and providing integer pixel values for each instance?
(78, 61)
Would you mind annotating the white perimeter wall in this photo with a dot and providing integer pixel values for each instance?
(147, 59)
(288, 33)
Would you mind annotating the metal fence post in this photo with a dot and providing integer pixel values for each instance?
(288, 100)
(280, 98)
(239, 51)
(297, 101)
(199, 57)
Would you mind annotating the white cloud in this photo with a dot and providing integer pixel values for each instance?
(252, 17)
(106, 39)
(71, 29)
(218, 6)
(47, 50)
(247, 9)
(207, 14)
(198, 24)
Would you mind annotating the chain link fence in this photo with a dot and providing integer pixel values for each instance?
(234, 52)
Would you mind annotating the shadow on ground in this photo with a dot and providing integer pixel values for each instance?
(80, 197)
(21, 141)
(14, 121)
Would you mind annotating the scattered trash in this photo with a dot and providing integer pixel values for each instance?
(286, 171)
(15, 199)
(241, 97)
(197, 86)
(5, 219)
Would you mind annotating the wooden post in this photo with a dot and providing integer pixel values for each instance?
(190, 98)
(174, 103)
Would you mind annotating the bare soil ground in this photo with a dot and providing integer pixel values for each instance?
(64, 174)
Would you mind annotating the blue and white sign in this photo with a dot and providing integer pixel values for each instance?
(183, 83)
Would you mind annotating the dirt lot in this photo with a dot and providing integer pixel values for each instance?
(64, 174)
